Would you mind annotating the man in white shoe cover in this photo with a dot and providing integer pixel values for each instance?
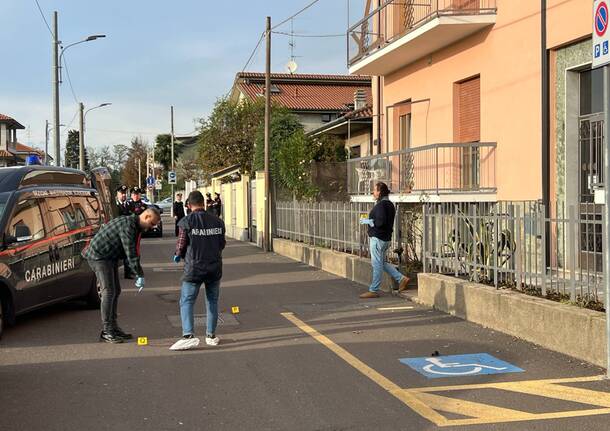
(201, 239)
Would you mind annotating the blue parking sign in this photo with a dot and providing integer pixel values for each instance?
(605, 47)
(459, 365)
(598, 51)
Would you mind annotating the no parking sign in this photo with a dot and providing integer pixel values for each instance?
(601, 35)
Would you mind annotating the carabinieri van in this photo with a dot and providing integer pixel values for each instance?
(47, 216)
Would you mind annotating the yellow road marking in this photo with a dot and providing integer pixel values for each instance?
(427, 404)
(408, 398)
(500, 385)
(470, 408)
(395, 308)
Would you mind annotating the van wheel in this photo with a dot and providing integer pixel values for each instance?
(93, 297)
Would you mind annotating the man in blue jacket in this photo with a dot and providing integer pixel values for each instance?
(381, 226)
(201, 239)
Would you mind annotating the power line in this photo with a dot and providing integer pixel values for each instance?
(254, 51)
(70, 80)
(43, 18)
(307, 35)
(294, 15)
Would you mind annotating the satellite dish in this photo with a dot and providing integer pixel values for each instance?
(292, 66)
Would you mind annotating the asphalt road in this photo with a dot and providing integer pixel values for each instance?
(304, 353)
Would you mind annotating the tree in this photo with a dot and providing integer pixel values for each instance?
(137, 152)
(71, 157)
(227, 136)
(120, 156)
(163, 151)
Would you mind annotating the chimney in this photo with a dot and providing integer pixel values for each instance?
(359, 99)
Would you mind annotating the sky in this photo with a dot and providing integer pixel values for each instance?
(156, 54)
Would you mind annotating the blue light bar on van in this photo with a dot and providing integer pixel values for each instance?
(33, 159)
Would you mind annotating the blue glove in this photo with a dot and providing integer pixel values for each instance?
(368, 221)
(176, 259)
(140, 283)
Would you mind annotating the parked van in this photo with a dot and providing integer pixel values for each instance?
(47, 216)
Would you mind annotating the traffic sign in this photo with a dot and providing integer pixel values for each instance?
(150, 181)
(601, 35)
(171, 177)
(158, 185)
(460, 365)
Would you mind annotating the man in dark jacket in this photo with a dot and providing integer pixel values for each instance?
(117, 240)
(209, 203)
(381, 226)
(217, 204)
(200, 243)
(178, 210)
(121, 201)
(135, 204)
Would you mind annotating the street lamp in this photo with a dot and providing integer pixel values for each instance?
(64, 48)
(56, 70)
(81, 134)
(46, 141)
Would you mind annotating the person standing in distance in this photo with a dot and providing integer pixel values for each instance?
(178, 211)
(117, 240)
(218, 204)
(381, 226)
(121, 201)
(136, 206)
(200, 243)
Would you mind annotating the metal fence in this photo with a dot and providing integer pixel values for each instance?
(514, 244)
(396, 18)
(333, 225)
(435, 168)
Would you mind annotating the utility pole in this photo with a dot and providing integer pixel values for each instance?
(266, 231)
(46, 142)
(55, 73)
(606, 213)
(139, 173)
(81, 137)
(172, 140)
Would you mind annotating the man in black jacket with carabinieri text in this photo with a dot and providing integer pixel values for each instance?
(200, 243)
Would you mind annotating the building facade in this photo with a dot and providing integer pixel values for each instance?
(491, 99)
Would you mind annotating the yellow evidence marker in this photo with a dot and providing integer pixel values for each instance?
(142, 341)
(235, 310)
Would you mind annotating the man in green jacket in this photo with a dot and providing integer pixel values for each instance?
(117, 240)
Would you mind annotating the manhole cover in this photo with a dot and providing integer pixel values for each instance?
(223, 320)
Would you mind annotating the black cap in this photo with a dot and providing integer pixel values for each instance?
(122, 188)
(208, 194)
(136, 190)
(217, 194)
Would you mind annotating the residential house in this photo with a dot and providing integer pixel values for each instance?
(13, 153)
(482, 105)
(315, 99)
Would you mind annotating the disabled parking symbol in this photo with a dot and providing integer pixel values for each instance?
(460, 365)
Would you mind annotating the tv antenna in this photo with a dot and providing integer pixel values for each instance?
(292, 65)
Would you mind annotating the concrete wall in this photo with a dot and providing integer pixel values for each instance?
(343, 265)
(563, 328)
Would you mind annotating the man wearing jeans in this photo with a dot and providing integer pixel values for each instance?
(115, 241)
(200, 243)
(381, 226)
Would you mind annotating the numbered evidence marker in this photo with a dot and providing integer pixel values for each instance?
(142, 341)
(235, 310)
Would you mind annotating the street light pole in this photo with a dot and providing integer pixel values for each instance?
(81, 137)
(46, 142)
(172, 141)
(55, 72)
(266, 233)
(81, 133)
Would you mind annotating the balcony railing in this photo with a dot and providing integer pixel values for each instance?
(396, 18)
(432, 169)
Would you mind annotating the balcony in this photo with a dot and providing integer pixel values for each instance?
(442, 172)
(400, 32)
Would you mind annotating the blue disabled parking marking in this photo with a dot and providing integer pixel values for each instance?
(460, 365)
